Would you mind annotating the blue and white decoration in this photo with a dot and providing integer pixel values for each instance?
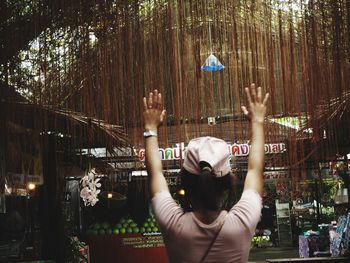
(212, 63)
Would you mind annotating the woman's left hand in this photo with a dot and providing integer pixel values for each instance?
(256, 109)
(154, 113)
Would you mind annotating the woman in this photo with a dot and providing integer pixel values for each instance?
(207, 234)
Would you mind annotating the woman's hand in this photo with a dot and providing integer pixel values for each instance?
(256, 105)
(256, 113)
(154, 113)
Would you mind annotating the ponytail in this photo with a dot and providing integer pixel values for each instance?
(206, 188)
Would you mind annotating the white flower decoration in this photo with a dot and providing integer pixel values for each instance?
(90, 184)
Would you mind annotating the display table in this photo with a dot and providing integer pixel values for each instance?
(127, 248)
(304, 260)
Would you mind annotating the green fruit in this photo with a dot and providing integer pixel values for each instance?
(116, 231)
(125, 225)
(155, 229)
(119, 226)
(135, 230)
(133, 225)
(122, 230)
(105, 225)
(102, 232)
(129, 221)
(122, 221)
(151, 225)
(145, 225)
(142, 230)
(109, 231)
(148, 230)
(129, 230)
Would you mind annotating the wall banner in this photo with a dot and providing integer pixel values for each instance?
(178, 152)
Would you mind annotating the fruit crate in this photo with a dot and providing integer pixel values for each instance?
(125, 225)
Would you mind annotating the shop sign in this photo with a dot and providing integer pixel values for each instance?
(178, 152)
(21, 179)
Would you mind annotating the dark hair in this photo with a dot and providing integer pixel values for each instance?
(205, 188)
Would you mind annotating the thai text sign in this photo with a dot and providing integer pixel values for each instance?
(144, 241)
(178, 152)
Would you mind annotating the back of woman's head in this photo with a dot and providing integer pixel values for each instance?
(205, 168)
(204, 188)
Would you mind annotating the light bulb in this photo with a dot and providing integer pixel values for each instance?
(31, 186)
(182, 192)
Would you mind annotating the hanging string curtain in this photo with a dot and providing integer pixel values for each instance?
(106, 57)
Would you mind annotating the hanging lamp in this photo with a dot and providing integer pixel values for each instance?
(211, 63)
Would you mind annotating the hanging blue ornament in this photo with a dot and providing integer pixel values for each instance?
(212, 64)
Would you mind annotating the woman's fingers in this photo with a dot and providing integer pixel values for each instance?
(253, 92)
(259, 95)
(247, 93)
(145, 103)
(154, 101)
(160, 103)
(255, 99)
(150, 100)
(266, 98)
(162, 116)
(255, 95)
(245, 111)
(155, 98)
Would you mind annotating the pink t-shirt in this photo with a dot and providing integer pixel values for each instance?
(187, 238)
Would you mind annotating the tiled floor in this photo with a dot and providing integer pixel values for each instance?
(259, 255)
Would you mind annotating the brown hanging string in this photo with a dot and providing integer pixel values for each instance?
(89, 70)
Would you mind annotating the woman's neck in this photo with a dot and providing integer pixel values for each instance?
(206, 216)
